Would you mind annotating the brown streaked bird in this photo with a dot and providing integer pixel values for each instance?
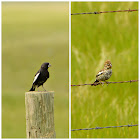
(105, 73)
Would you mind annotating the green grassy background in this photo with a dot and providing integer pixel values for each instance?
(95, 39)
(33, 33)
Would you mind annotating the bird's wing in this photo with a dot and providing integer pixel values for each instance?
(36, 76)
(100, 73)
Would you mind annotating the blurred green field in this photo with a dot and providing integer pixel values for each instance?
(95, 39)
(33, 33)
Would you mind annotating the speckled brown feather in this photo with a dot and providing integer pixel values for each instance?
(105, 73)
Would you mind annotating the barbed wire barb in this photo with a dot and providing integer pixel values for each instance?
(129, 10)
(102, 83)
(105, 127)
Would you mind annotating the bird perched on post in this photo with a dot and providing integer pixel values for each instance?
(41, 76)
(105, 73)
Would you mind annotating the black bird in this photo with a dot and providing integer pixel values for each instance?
(41, 76)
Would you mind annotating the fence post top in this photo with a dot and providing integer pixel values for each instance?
(39, 92)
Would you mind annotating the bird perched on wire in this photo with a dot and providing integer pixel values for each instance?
(41, 76)
(105, 73)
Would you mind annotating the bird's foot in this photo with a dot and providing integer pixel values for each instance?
(107, 83)
(44, 89)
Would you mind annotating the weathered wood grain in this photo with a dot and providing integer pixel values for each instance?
(40, 114)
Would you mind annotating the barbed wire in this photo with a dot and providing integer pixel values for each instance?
(106, 12)
(102, 83)
(105, 127)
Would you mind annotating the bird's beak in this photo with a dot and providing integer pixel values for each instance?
(110, 65)
(49, 65)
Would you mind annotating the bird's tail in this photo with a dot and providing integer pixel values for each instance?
(32, 89)
(96, 81)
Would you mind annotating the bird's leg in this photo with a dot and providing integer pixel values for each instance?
(44, 88)
(102, 83)
(38, 89)
(106, 82)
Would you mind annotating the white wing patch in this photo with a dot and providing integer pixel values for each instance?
(99, 73)
(36, 77)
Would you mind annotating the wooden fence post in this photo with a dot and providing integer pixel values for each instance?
(40, 114)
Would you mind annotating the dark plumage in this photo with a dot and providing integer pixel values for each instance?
(41, 76)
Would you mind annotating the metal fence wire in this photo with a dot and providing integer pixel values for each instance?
(105, 12)
(105, 127)
(102, 83)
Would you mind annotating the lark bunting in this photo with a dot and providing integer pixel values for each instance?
(105, 73)
(41, 76)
